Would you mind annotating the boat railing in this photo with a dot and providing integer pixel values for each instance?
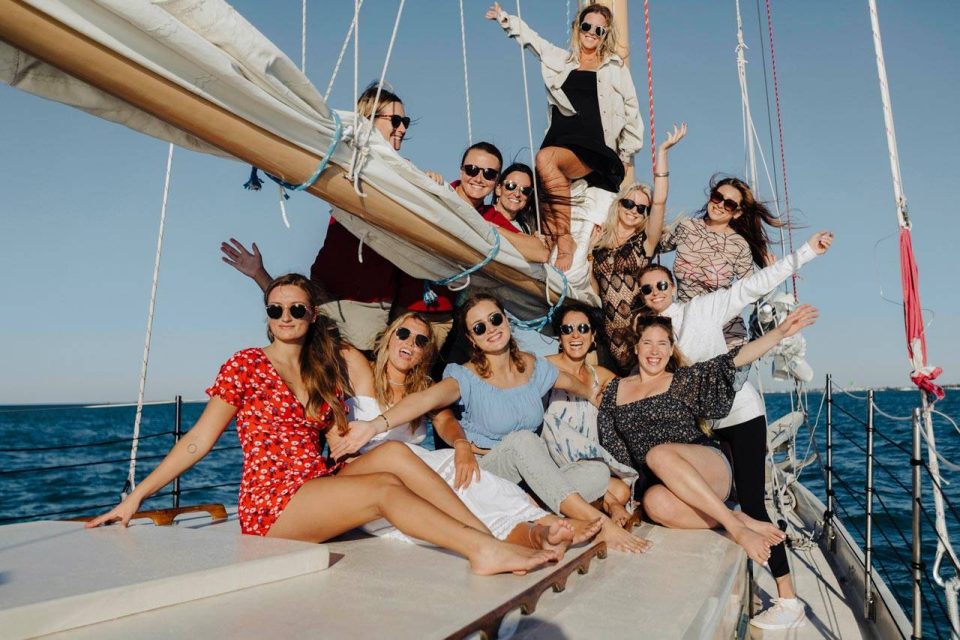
(872, 505)
(65, 464)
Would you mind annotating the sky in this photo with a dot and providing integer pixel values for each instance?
(81, 197)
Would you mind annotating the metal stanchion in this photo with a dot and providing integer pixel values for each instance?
(868, 601)
(917, 566)
(177, 432)
(828, 516)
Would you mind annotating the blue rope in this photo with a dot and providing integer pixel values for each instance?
(430, 298)
(254, 183)
(539, 323)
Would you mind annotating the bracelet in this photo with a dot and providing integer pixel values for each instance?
(385, 421)
(665, 174)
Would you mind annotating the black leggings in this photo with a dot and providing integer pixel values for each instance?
(748, 442)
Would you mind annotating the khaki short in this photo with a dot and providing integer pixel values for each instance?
(359, 322)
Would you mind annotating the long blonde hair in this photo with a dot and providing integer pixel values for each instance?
(608, 232)
(610, 42)
(417, 379)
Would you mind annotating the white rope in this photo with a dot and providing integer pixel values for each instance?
(466, 77)
(944, 546)
(356, 59)
(303, 37)
(343, 51)
(283, 206)
(132, 472)
(569, 23)
(526, 101)
(901, 201)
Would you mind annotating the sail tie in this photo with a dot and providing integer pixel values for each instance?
(539, 323)
(430, 298)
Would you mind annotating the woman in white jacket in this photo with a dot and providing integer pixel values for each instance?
(595, 123)
(698, 328)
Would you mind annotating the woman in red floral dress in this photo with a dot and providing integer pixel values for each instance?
(284, 397)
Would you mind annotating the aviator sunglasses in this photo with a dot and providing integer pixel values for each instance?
(731, 206)
(583, 328)
(628, 204)
(480, 328)
(511, 186)
(396, 121)
(646, 289)
(419, 339)
(298, 311)
(472, 170)
(597, 29)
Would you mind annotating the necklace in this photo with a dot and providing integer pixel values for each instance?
(396, 384)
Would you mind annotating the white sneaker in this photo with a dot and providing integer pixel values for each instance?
(786, 613)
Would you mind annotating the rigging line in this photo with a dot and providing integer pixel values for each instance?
(466, 77)
(526, 102)
(343, 51)
(653, 137)
(303, 37)
(131, 482)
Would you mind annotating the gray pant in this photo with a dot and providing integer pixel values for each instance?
(522, 455)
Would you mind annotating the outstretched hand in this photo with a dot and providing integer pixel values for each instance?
(821, 241)
(493, 13)
(674, 136)
(359, 433)
(237, 256)
(803, 316)
(122, 513)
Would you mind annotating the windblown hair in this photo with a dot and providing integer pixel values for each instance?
(753, 215)
(477, 356)
(593, 319)
(488, 147)
(610, 42)
(417, 379)
(369, 95)
(322, 367)
(608, 232)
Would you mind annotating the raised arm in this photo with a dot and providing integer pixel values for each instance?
(549, 54)
(187, 452)
(803, 316)
(248, 263)
(661, 189)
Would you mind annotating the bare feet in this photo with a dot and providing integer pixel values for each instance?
(770, 532)
(555, 537)
(756, 546)
(619, 539)
(616, 511)
(566, 246)
(501, 557)
(584, 530)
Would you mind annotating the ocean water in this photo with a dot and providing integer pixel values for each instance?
(64, 461)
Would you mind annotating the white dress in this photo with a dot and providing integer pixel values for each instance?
(498, 503)
(570, 432)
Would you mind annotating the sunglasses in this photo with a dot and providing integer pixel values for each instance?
(473, 170)
(731, 206)
(298, 311)
(396, 121)
(480, 328)
(419, 339)
(597, 29)
(628, 204)
(511, 186)
(583, 328)
(646, 289)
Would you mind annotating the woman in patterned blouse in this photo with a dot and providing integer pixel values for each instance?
(284, 397)
(650, 422)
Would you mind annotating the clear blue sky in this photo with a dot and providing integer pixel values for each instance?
(81, 197)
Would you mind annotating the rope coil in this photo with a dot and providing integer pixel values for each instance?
(430, 297)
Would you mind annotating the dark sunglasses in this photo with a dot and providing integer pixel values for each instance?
(396, 121)
(418, 339)
(731, 206)
(583, 328)
(480, 328)
(298, 311)
(646, 289)
(472, 170)
(597, 29)
(628, 204)
(511, 186)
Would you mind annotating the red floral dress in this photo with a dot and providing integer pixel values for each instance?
(281, 445)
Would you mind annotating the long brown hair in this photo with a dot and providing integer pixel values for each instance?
(753, 215)
(322, 367)
(610, 42)
(417, 379)
(477, 356)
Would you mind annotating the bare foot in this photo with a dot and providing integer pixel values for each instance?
(617, 512)
(555, 537)
(756, 546)
(566, 246)
(584, 530)
(500, 557)
(770, 532)
(619, 539)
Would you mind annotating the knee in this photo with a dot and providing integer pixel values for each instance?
(522, 441)
(660, 458)
(598, 473)
(659, 504)
(546, 161)
(395, 450)
(619, 490)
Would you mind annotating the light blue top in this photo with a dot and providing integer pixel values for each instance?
(490, 413)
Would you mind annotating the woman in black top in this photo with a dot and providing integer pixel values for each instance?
(650, 422)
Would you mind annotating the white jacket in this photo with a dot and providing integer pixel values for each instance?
(698, 324)
(619, 110)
